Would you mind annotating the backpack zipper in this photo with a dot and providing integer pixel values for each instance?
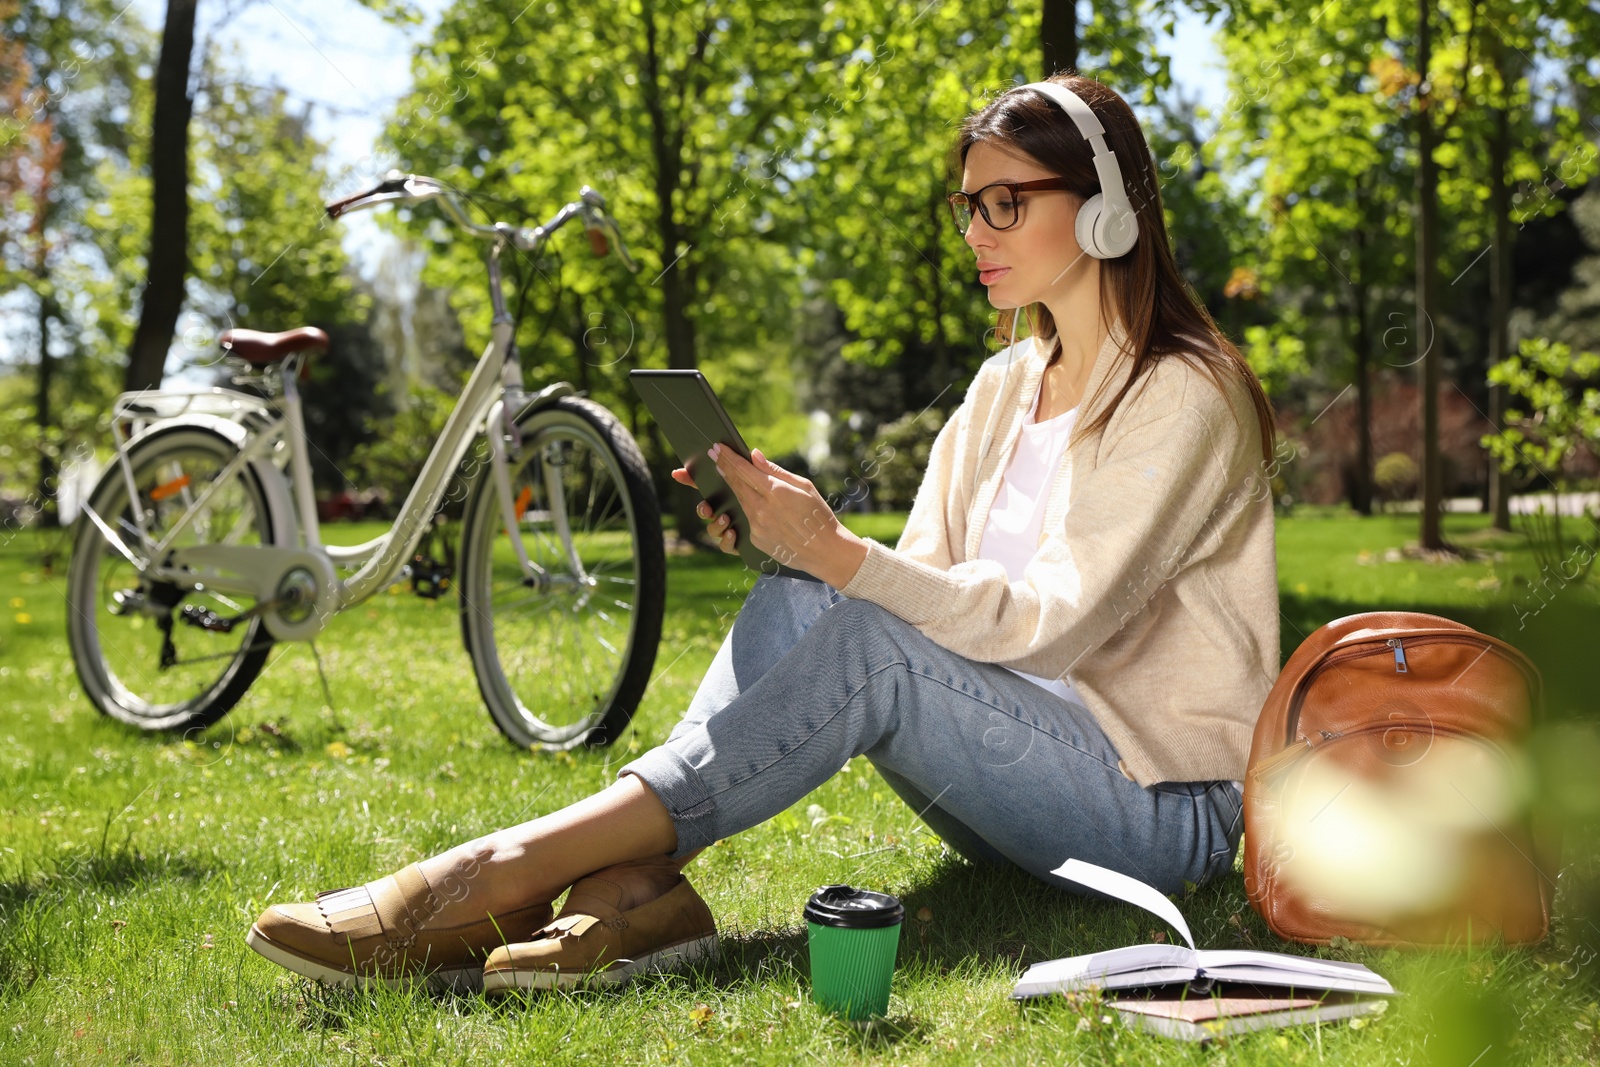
(1513, 655)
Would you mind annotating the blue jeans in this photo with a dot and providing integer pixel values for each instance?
(1004, 771)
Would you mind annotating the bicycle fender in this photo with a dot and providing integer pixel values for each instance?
(545, 397)
(275, 487)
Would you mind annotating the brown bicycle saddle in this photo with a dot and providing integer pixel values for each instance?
(258, 349)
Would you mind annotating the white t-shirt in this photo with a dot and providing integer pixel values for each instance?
(1011, 536)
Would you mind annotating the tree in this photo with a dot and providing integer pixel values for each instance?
(681, 116)
(70, 83)
(1559, 420)
(1308, 111)
(168, 261)
(1335, 142)
(1427, 270)
(262, 259)
(1562, 30)
(881, 238)
(1548, 154)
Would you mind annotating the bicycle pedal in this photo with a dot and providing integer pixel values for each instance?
(206, 619)
(430, 578)
(127, 602)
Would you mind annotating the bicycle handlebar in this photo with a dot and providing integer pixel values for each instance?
(415, 188)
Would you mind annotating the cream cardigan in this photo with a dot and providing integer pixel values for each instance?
(1155, 582)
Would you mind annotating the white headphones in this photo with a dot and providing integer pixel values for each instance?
(1106, 226)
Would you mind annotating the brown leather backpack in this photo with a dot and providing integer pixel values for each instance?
(1385, 800)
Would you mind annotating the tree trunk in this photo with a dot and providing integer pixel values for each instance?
(1427, 245)
(1500, 280)
(48, 469)
(932, 253)
(1361, 492)
(43, 415)
(168, 262)
(1058, 36)
(1360, 488)
(667, 150)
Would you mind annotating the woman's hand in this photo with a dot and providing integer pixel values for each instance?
(721, 527)
(789, 520)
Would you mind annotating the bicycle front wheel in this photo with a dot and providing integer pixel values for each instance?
(139, 658)
(563, 660)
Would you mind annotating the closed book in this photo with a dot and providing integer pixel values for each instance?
(1178, 1012)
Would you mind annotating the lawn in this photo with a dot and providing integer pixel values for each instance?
(131, 865)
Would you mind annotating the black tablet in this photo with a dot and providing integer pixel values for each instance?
(693, 420)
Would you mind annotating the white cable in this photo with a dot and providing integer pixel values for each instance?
(988, 425)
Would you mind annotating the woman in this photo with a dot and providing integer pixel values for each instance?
(1064, 655)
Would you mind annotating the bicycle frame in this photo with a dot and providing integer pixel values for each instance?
(493, 392)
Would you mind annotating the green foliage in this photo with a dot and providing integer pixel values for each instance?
(746, 162)
(657, 109)
(1277, 352)
(901, 454)
(392, 457)
(1557, 413)
(263, 258)
(880, 236)
(73, 95)
(1325, 148)
(1396, 475)
(1556, 417)
(260, 255)
(1215, 238)
(261, 251)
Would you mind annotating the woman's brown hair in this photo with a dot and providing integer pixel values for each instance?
(1162, 315)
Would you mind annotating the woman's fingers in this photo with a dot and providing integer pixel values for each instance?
(721, 527)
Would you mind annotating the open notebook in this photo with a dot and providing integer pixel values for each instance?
(1138, 966)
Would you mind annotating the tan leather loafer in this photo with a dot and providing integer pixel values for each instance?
(385, 932)
(594, 943)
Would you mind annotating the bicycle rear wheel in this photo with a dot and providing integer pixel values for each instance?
(565, 661)
(137, 660)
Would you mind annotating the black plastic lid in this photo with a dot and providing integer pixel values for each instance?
(853, 909)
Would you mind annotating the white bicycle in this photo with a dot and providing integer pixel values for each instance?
(199, 547)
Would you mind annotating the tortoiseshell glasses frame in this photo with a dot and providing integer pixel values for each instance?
(997, 202)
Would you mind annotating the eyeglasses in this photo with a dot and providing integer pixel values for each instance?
(998, 202)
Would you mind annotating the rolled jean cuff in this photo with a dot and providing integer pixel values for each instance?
(682, 792)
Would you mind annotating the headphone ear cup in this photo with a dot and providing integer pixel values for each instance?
(1118, 233)
(1103, 235)
(1088, 221)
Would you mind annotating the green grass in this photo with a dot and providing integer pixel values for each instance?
(131, 865)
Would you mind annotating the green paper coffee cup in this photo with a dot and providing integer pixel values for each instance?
(853, 935)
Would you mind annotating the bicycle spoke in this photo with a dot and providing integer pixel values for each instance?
(609, 647)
